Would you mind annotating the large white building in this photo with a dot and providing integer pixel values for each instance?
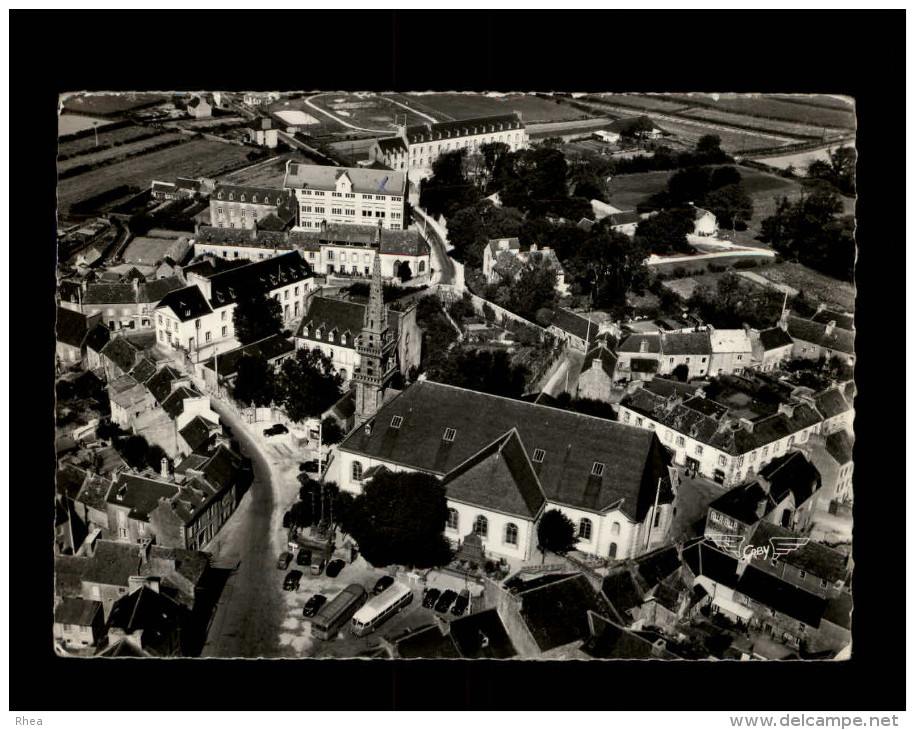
(504, 462)
(328, 195)
(198, 318)
(415, 148)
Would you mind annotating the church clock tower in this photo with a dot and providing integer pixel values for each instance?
(376, 349)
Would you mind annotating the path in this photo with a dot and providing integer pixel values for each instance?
(308, 102)
(442, 263)
(565, 377)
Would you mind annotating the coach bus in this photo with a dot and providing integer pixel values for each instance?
(334, 614)
(381, 608)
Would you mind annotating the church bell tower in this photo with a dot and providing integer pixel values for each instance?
(376, 349)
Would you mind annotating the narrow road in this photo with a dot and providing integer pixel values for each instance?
(441, 261)
(566, 375)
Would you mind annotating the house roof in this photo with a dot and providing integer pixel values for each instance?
(831, 403)
(825, 316)
(774, 338)
(149, 611)
(791, 473)
(338, 317)
(666, 387)
(94, 492)
(160, 384)
(658, 565)
(513, 245)
(112, 563)
(839, 446)
(122, 352)
(249, 194)
(110, 293)
(500, 477)
(633, 458)
(221, 470)
(557, 614)
(611, 641)
(574, 324)
(703, 559)
(624, 218)
(268, 348)
(190, 564)
(143, 370)
(325, 177)
(151, 292)
(391, 145)
(807, 330)
(258, 278)
(72, 327)
(173, 405)
(97, 337)
(140, 494)
(814, 558)
(633, 343)
(742, 503)
(686, 343)
(419, 133)
(622, 591)
(198, 432)
(730, 341)
(428, 643)
(76, 611)
(783, 597)
(604, 355)
(482, 636)
(70, 480)
(839, 609)
(185, 183)
(187, 303)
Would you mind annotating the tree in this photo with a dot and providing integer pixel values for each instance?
(253, 381)
(256, 317)
(730, 204)
(535, 288)
(469, 229)
(486, 371)
(331, 433)
(399, 519)
(689, 186)
(681, 373)
(708, 144)
(723, 176)
(307, 384)
(665, 232)
(404, 273)
(556, 533)
(448, 188)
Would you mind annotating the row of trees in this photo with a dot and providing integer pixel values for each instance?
(717, 189)
(734, 302)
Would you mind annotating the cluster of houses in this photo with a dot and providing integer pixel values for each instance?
(504, 260)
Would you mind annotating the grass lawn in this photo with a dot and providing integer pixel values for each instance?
(197, 158)
(627, 191)
(815, 285)
(73, 123)
(268, 174)
(468, 106)
(111, 104)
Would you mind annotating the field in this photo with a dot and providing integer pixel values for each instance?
(296, 117)
(197, 158)
(145, 250)
(73, 123)
(762, 111)
(107, 105)
(816, 286)
(627, 191)
(638, 101)
(814, 100)
(374, 113)
(800, 160)
(469, 106)
(105, 139)
(269, 173)
(124, 150)
(579, 127)
(357, 149)
(788, 129)
(731, 141)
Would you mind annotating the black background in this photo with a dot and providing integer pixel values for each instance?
(859, 54)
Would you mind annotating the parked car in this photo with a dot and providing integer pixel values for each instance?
(285, 558)
(310, 467)
(318, 562)
(313, 605)
(304, 557)
(461, 603)
(383, 583)
(287, 518)
(445, 600)
(334, 567)
(430, 597)
(275, 430)
(293, 577)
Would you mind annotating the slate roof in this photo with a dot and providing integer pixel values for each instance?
(557, 614)
(686, 343)
(152, 292)
(174, 404)
(742, 503)
(76, 611)
(187, 303)
(122, 352)
(70, 480)
(98, 337)
(574, 324)
(730, 340)
(392, 145)
(633, 458)
(120, 293)
(825, 316)
(774, 338)
(112, 563)
(197, 432)
(340, 317)
(816, 559)
(268, 348)
(420, 133)
(252, 195)
(633, 343)
(513, 245)
(785, 598)
(143, 370)
(831, 403)
(221, 471)
(807, 330)
(140, 494)
(94, 492)
(839, 446)
(622, 591)
(428, 643)
(791, 473)
(72, 327)
(146, 610)
(659, 564)
(160, 384)
(470, 632)
(500, 478)
(258, 277)
(703, 559)
(324, 177)
(606, 357)
(190, 564)
(611, 641)
(839, 609)
(665, 387)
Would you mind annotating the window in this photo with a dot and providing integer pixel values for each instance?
(612, 552)
(450, 433)
(357, 471)
(159, 317)
(722, 461)
(207, 336)
(740, 460)
(802, 574)
(452, 523)
(626, 417)
(597, 468)
(396, 421)
(681, 441)
(638, 422)
(657, 517)
(538, 456)
(225, 331)
(822, 582)
(584, 529)
(699, 449)
(511, 534)
(481, 526)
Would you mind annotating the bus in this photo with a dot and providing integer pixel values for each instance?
(334, 614)
(381, 608)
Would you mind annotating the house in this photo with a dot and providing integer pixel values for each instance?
(274, 349)
(126, 305)
(705, 223)
(420, 145)
(245, 206)
(91, 506)
(836, 407)
(621, 127)
(72, 334)
(692, 350)
(150, 621)
(261, 132)
(334, 326)
(832, 455)
(78, 624)
(475, 636)
(199, 108)
(199, 318)
(638, 357)
(347, 195)
(609, 640)
(604, 476)
(596, 379)
(814, 340)
(493, 249)
(259, 98)
(771, 347)
(102, 576)
(731, 351)
(160, 190)
(129, 399)
(119, 356)
(503, 259)
(573, 329)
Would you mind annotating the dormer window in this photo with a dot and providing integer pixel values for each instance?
(597, 469)
(396, 421)
(538, 456)
(242, 197)
(449, 435)
(231, 196)
(343, 339)
(219, 195)
(318, 333)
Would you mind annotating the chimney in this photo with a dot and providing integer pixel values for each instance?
(830, 327)
(533, 248)
(820, 307)
(742, 567)
(761, 506)
(747, 424)
(786, 409)
(643, 346)
(164, 468)
(136, 287)
(145, 545)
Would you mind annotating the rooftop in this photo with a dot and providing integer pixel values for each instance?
(574, 324)
(806, 330)
(76, 611)
(72, 327)
(324, 177)
(840, 446)
(267, 348)
(812, 557)
(557, 614)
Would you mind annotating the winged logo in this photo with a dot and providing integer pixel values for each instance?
(728, 543)
(784, 545)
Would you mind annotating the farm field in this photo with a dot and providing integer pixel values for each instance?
(822, 100)
(731, 141)
(627, 191)
(73, 123)
(574, 127)
(269, 173)
(124, 150)
(468, 106)
(816, 286)
(638, 101)
(790, 109)
(105, 139)
(766, 125)
(197, 158)
(697, 268)
(373, 112)
(800, 160)
(107, 105)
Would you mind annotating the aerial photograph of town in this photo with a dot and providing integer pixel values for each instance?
(454, 375)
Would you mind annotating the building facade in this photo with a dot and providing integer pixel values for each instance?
(242, 206)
